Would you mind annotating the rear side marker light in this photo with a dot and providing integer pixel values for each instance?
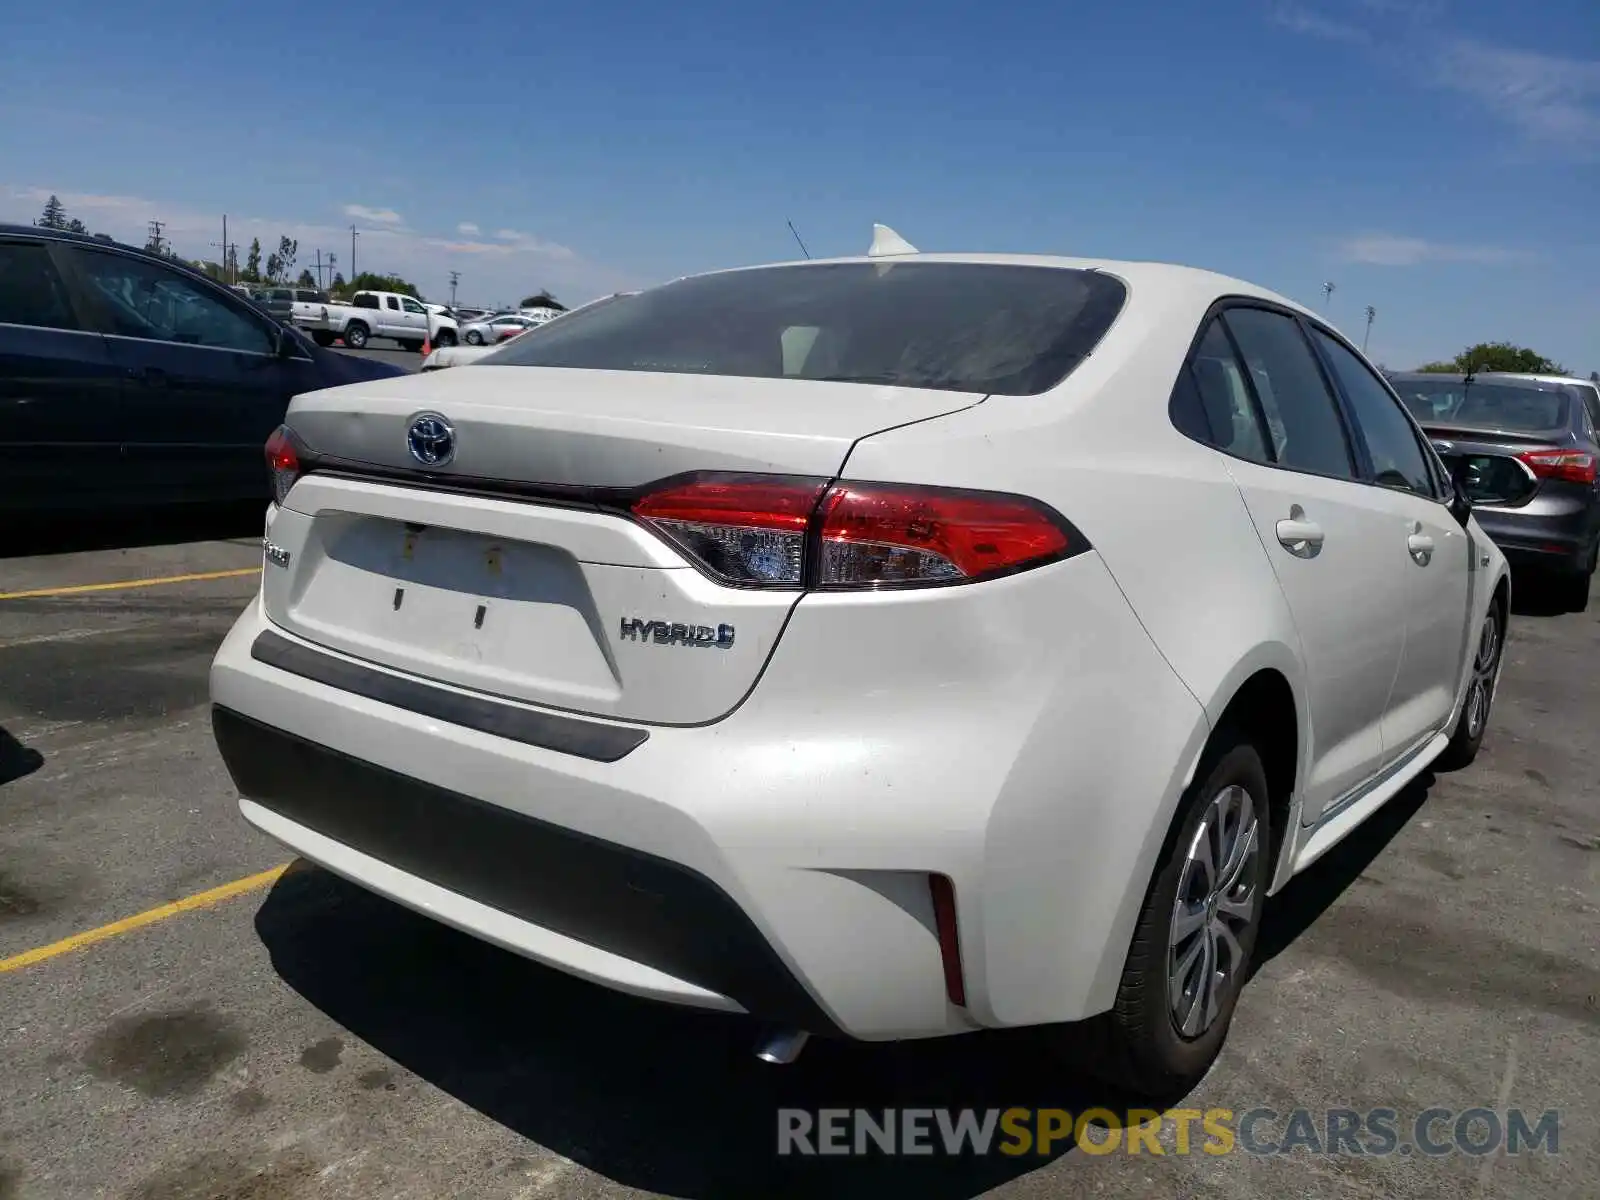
(1573, 466)
(780, 531)
(283, 463)
(944, 918)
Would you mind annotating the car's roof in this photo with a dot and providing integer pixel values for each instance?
(1537, 377)
(1530, 382)
(1173, 279)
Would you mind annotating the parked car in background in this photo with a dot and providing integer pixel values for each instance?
(126, 377)
(296, 306)
(473, 352)
(496, 329)
(391, 315)
(1525, 450)
(885, 648)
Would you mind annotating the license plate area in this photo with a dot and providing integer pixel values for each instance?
(482, 611)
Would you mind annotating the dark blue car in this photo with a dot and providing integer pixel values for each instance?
(129, 378)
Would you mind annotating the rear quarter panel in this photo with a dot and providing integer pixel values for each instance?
(1168, 522)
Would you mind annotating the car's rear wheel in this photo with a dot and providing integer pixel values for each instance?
(474, 338)
(1474, 719)
(355, 335)
(446, 337)
(1196, 935)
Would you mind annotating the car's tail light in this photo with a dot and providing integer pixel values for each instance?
(283, 463)
(748, 530)
(944, 919)
(887, 535)
(782, 531)
(1573, 466)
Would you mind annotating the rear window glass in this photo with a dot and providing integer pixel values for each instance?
(969, 327)
(1481, 405)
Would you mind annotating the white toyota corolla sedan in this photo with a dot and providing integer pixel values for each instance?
(886, 647)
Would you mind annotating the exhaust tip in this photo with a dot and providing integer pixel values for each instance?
(781, 1047)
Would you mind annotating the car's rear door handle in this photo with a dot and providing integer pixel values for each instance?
(1421, 547)
(1300, 537)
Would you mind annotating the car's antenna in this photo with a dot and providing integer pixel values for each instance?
(796, 233)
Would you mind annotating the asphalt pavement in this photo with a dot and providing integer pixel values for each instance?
(291, 1036)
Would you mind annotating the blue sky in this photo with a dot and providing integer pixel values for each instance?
(1437, 159)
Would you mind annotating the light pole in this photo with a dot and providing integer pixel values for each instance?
(455, 278)
(352, 253)
(1371, 313)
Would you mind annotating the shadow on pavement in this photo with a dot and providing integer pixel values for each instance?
(654, 1097)
(136, 527)
(16, 760)
(1311, 893)
(1536, 595)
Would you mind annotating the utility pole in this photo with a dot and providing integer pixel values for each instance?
(156, 244)
(319, 269)
(1327, 293)
(333, 261)
(225, 278)
(353, 236)
(455, 278)
(1371, 314)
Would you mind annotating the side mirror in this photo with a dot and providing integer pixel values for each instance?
(1460, 502)
(286, 344)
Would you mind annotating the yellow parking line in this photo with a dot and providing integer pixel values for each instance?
(77, 589)
(128, 924)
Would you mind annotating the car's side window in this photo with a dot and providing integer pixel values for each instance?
(413, 307)
(392, 303)
(1211, 388)
(146, 300)
(32, 291)
(1302, 415)
(1398, 460)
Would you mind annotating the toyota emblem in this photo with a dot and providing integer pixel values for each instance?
(431, 440)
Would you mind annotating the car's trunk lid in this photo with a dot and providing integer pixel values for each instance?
(468, 576)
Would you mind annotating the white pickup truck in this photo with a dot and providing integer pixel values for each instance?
(392, 315)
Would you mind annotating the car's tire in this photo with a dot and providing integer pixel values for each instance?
(322, 337)
(355, 335)
(1164, 1031)
(474, 338)
(446, 337)
(1467, 736)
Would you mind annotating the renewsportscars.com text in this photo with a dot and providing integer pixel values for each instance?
(1376, 1132)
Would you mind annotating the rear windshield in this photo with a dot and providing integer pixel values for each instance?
(967, 327)
(1524, 409)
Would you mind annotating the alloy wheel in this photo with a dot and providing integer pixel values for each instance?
(1480, 692)
(1215, 905)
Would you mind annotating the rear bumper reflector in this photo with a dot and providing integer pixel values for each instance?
(549, 731)
(944, 915)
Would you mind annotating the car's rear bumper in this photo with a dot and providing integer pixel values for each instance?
(777, 861)
(1547, 541)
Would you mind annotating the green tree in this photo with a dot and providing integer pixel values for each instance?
(274, 267)
(76, 226)
(54, 216)
(367, 281)
(338, 287)
(542, 300)
(306, 280)
(252, 263)
(287, 249)
(1496, 356)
